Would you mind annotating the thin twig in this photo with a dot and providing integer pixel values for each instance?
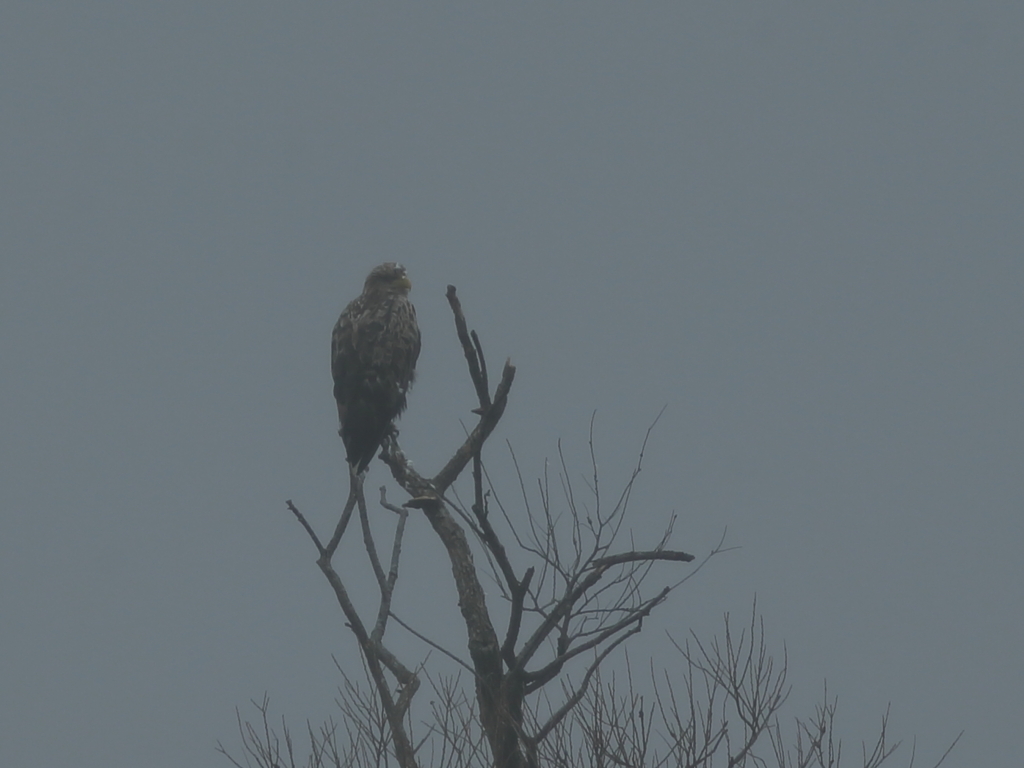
(305, 524)
(432, 644)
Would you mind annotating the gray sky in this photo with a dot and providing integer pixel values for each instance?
(798, 225)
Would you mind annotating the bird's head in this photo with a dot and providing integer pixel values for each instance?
(388, 278)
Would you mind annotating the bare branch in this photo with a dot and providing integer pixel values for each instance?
(645, 557)
(481, 359)
(305, 524)
(487, 532)
(515, 619)
(472, 350)
(371, 547)
(432, 644)
(573, 700)
(948, 750)
(633, 618)
(488, 421)
(552, 619)
(388, 585)
(354, 490)
(387, 505)
(374, 654)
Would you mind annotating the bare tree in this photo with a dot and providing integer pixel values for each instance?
(539, 698)
(722, 708)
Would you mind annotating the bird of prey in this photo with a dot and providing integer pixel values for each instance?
(373, 360)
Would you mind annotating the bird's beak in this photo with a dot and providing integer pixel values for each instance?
(405, 283)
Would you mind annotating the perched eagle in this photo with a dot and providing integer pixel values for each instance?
(373, 359)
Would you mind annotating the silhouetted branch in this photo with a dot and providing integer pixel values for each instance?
(645, 557)
(472, 350)
(483, 362)
(371, 547)
(305, 524)
(355, 489)
(375, 654)
(488, 421)
(581, 690)
(432, 644)
(388, 584)
(515, 618)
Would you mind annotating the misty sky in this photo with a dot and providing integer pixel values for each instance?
(800, 226)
